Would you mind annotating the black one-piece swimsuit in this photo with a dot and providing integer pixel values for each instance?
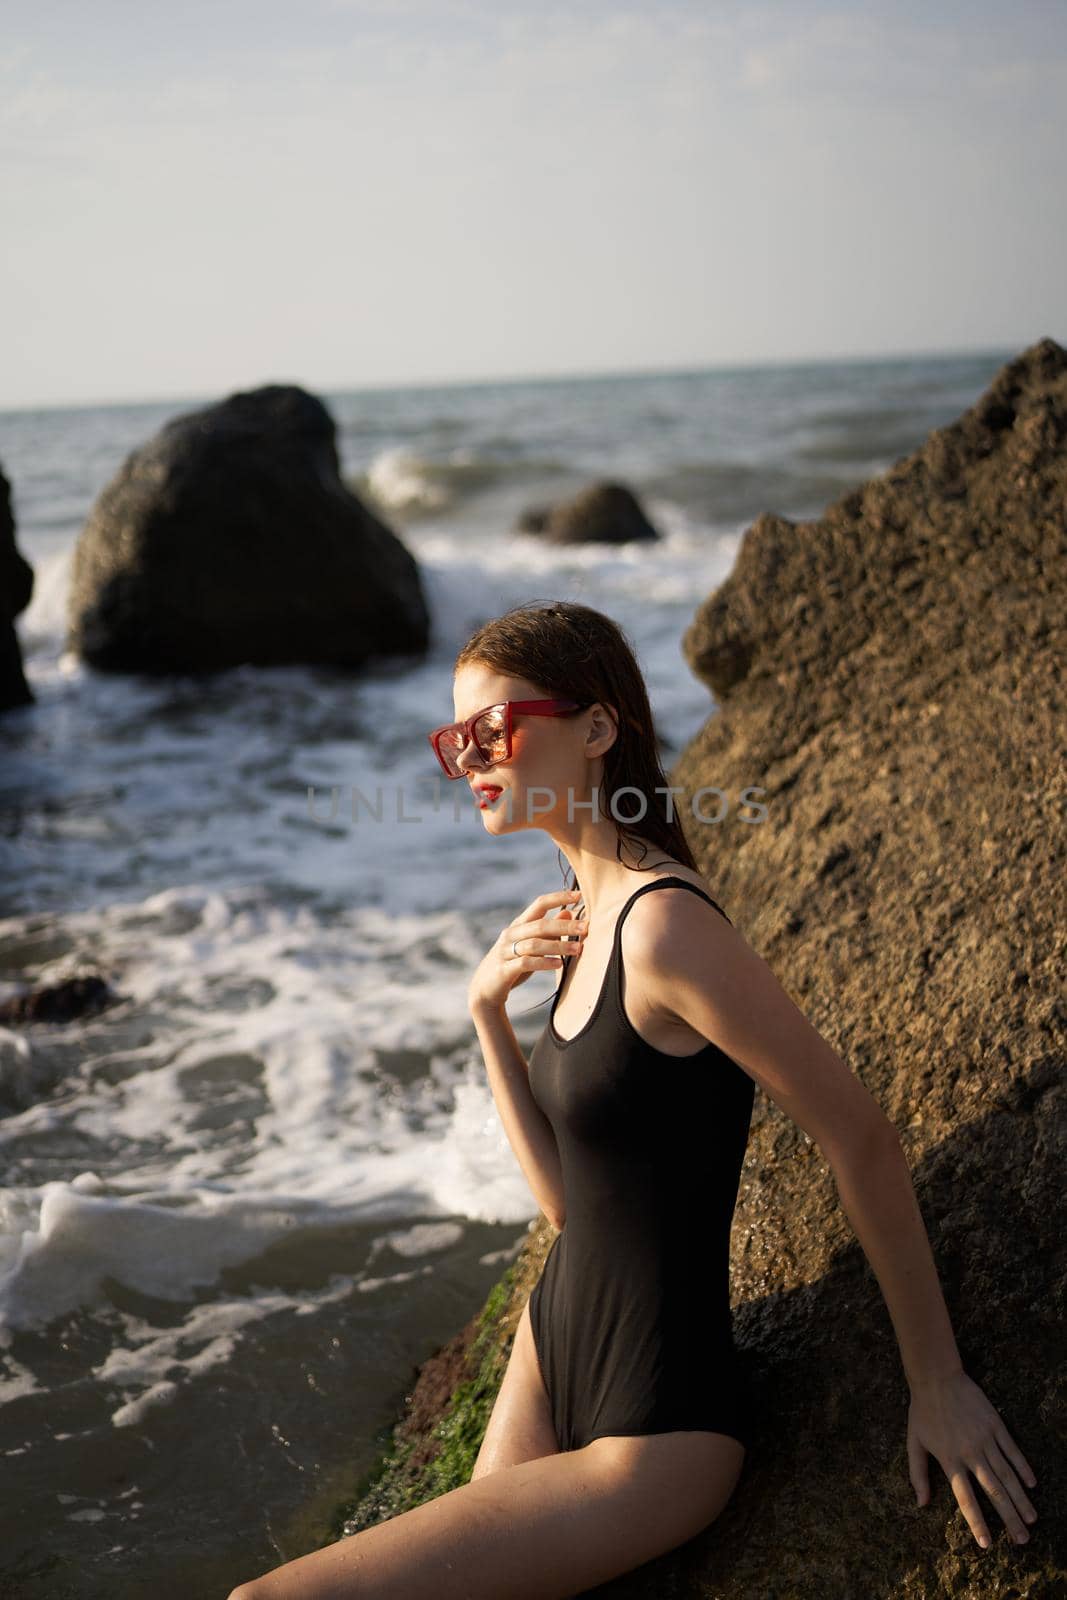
(631, 1314)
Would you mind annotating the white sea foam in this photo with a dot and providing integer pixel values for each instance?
(248, 1093)
(401, 480)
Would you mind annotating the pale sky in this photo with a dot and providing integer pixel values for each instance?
(204, 195)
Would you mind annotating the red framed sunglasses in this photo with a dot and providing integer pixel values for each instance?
(490, 731)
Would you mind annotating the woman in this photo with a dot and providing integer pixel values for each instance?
(620, 1426)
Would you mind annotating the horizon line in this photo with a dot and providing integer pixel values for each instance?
(390, 386)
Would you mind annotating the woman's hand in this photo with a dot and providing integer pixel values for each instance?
(501, 970)
(950, 1418)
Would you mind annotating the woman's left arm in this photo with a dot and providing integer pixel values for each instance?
(949, 1416)
(698, 968)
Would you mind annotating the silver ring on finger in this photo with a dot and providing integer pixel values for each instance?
(515, 948)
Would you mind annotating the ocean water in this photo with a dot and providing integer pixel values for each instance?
(241, 1206)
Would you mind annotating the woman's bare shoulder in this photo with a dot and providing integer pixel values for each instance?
(656, 913)
(689, 874)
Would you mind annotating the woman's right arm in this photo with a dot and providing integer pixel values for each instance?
(528, 1129)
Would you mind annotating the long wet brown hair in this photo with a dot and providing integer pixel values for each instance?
(569, 651)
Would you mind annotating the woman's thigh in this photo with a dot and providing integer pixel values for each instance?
(520, 1424)
(545, 1529)
(697, 1470)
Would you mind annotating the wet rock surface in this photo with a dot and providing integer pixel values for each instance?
(16, 590)
(59, 1002)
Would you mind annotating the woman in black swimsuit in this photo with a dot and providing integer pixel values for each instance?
(620, 1427)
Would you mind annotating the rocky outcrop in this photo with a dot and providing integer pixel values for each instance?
(31, 1068)
(229, 538)
(16, 589)
(64, 1001)
(602, 513)
(890, 678)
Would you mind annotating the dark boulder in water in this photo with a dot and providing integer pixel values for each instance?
(29, 1072)
(602, 513)
(16, 588)
(59, 1002)
(230, 537)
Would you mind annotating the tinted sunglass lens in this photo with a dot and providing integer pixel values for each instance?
(491, 735)
(449, 746)
(490, 738)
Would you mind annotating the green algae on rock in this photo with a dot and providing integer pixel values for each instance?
(435, 1443)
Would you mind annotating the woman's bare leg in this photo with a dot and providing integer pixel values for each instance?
(520, 1424)
(540, 1530)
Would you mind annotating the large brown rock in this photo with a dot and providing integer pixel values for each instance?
(16, 589)
(230, 537)
(891, 676)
